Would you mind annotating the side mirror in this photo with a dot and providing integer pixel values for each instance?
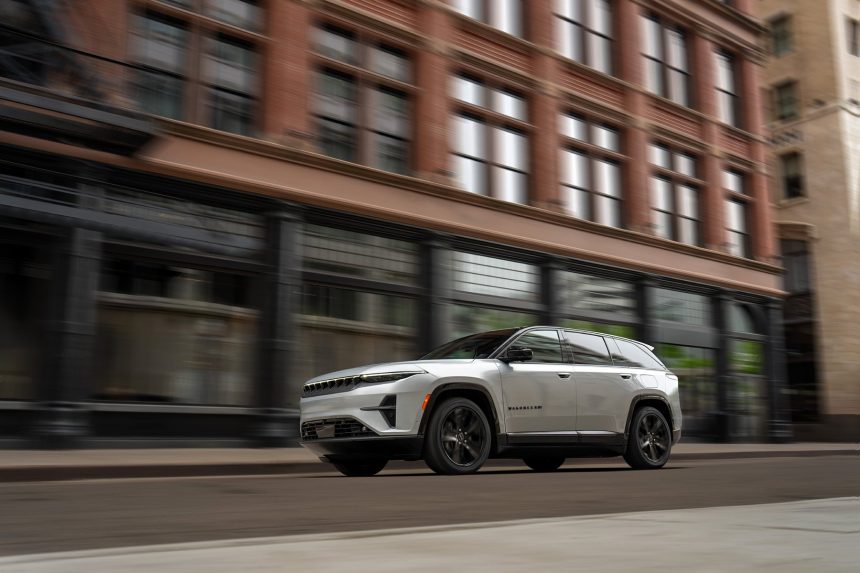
(516, 354)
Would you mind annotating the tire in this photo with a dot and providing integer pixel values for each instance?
(458, 439)
(650, 440)
(363, 468)
(544, 463)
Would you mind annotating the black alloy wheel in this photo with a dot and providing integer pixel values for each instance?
(650, 440)
(458, 438)
(363, 468)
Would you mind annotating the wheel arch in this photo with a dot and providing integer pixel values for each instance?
(657, 401)
(475, 392)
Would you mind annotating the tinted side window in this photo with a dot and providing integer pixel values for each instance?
(630, 354)
(544, 344)
(588, 348)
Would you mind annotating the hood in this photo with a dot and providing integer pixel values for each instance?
(417, 366)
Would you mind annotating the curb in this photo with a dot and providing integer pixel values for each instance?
(96, 472)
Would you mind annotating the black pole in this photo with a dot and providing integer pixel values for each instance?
(277, 391)
(779, 426)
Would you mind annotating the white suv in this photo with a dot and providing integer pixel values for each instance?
(540, 394)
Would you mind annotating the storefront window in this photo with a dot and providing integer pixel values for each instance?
(24, 288)
(343, 328)
(471, 319)
(174, 335)
(696, 371)
(624, 330)
(683, 307)
(579, 292)
(746, 393)
(482, 275)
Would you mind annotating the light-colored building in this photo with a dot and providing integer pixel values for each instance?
(813, 78)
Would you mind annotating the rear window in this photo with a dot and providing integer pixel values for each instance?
(587, 348)
(634, 356)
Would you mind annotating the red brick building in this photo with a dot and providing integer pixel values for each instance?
(262, 190)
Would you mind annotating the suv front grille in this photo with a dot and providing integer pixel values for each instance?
(335, 428)
(330, 386)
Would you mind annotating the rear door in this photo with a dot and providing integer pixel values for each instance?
(603, 389)
(540, 396)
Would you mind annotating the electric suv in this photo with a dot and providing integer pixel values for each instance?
(540, 394)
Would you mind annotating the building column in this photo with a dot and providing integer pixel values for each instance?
(435, 315)
(277, 392)
(704, 99)
(720, 307)
(61, 414)
(287, 80)
(550, 296)
(637, 202)
(544, 146)
(432, 119)
(779, 425)
(644, 293)
(761, 233)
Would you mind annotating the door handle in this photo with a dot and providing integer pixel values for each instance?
(564, 374)
(627, 376)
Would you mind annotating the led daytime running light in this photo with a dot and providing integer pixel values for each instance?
(386, 376)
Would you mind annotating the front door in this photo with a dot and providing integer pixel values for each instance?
(540, 395)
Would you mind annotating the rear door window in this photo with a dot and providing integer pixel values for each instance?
(587, 348)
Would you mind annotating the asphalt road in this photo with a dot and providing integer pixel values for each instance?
(60, 516)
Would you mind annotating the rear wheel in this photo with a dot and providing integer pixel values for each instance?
(458, 438)
(544, 463)
(361, 468)
(650, 440)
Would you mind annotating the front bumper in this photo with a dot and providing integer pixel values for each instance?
(386, 447)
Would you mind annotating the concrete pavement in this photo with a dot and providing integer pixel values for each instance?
(818, 535)
(30, 465)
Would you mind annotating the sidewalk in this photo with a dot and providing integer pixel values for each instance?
(40, 465)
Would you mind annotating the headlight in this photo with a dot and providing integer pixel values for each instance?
(387, 376)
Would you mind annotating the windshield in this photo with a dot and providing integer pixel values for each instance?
(473, 346)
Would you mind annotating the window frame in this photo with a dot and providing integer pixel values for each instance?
(744, 200)
(491, 120)
(665, 67)
(781, 35)
(795, 181)
(731, 116)
(367, 83)
(563, 23)
(593, 154)
(852, 36)
(677, 181)
(489, 11)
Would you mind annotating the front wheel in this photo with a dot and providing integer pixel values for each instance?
(362, 468)
(650, 440)
(458, 438)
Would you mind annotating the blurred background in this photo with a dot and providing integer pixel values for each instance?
(203, 203)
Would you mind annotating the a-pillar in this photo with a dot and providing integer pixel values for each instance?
(61, 418)
(277, 391)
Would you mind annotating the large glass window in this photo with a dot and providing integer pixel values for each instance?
(544, 344)
(588, 348)
(674, 195)
(584, 32)
(226, 79)
(664, 51)
(469, 319)
(696, 371)
(736, 213)
(747, 396)
(171, 334)
(362, 110)
(490, 145)
(727, 90)
(482, 275)
(580, 293)
(158, 44)
(505, 15)
(591, 186)
(684, 307)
